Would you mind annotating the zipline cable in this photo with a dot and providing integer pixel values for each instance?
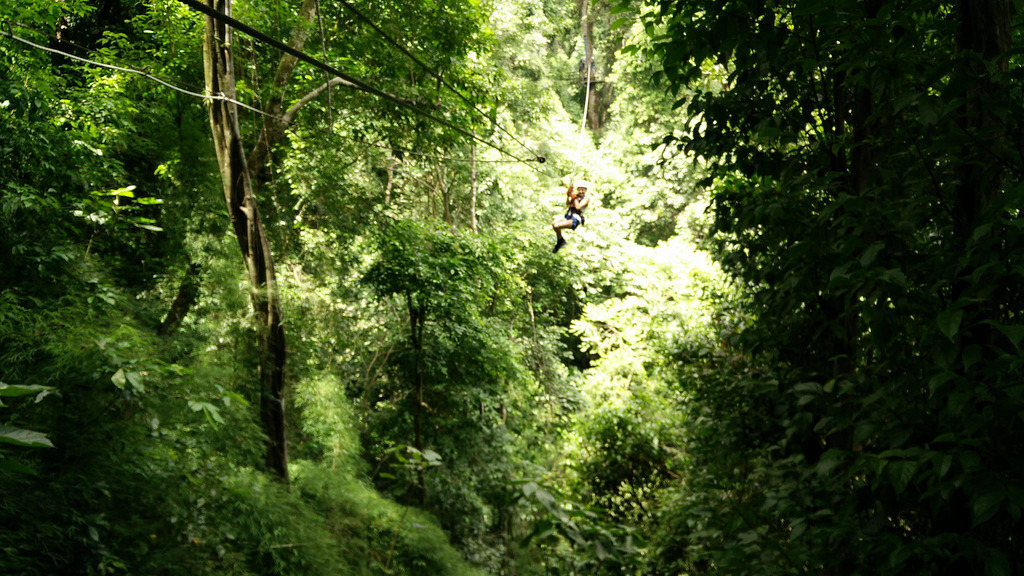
(429, 70)
(355, 82)
(49, 35)
(150, 76)
(586, 104)
(393, 148)
(132, 71)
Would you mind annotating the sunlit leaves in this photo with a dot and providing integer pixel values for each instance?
(23, 437)
(876, 378)
(17, 436)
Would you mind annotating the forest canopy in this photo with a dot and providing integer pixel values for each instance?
(278, 292)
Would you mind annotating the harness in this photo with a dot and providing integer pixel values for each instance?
(572, 211)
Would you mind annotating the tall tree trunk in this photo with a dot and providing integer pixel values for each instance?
(984, 41)
(472, 187)
(446, 197)
(417, 317)
(983, 28)
(587, 26)
(252, 239)
(842, 345)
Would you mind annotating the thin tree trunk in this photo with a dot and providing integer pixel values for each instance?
(587, 26)
(251, 236)
(416, 319)
(188, 291)
(274, 123)
(446, 198)
(390, 182)
(472, 187)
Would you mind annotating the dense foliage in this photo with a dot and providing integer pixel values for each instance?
(787, 340)
(866, 199)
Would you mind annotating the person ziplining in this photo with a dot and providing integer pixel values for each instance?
(576, 200)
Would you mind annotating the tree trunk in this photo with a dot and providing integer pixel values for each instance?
(842, 346)
(188, 291)
(276, 121)
(251, 236)
(587, 26)
(391, 180)
(446, 197)
(472, 187)
(417, 317)
(983, 28)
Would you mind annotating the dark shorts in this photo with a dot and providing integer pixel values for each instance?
(576, 220)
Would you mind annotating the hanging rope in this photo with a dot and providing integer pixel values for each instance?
(586, 106)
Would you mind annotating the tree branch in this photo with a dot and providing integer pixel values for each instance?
(288, 116)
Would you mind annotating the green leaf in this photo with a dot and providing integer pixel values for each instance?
(944, 465)
(939, 379)
(1013, 333)
(798, 527)
(135, 379)
(949, 322)
(984, 505)
(829, 461)
(872, 251)
(895, 276)
(972, 355)
(811, 390)
(127, 192)
(433, 458)
(22, 437)
(21, 390)
(8, 465)
(119, 378)
(544, 497)
(901, 472)
(211, 412)
(230, 397)
(529, 488)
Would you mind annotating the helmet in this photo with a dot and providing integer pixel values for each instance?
(582, 184)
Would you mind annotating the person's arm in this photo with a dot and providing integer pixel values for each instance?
(581, 203)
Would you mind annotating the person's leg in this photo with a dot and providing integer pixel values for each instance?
(561, 224)
(558, 225)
